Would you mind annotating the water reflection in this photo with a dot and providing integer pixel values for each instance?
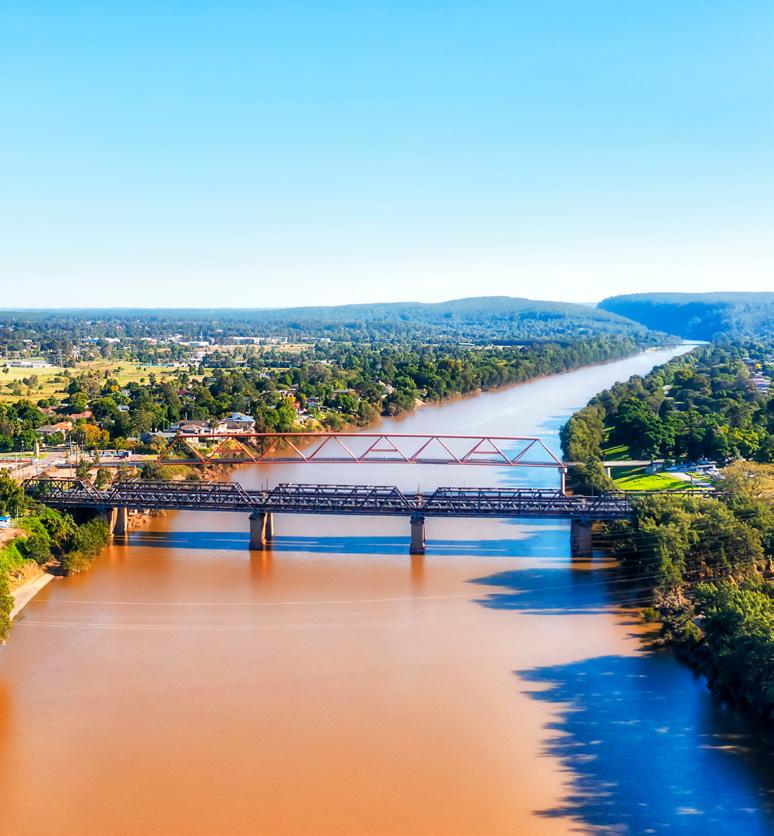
(649, 750)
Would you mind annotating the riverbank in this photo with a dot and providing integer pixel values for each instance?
(23, 594)
(707, 563)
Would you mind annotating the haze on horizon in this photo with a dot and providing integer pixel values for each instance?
(274, 154)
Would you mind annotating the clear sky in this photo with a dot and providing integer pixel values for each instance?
(277, 153)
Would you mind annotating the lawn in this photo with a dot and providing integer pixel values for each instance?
(651, 482)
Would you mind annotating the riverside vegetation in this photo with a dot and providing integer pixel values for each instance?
(702, 404)
(49, 539)
(705, 562)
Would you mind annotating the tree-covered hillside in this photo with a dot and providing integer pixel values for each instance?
(478, 320)
(700, 316)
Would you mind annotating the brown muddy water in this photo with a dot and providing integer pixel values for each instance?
(335, 685)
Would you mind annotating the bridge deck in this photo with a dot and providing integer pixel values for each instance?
(331, 499)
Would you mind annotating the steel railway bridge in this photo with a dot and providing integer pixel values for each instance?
(498, 503)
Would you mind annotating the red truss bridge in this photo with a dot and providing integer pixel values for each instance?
(359, 448)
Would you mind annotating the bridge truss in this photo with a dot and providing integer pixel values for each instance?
(359, 448)
(370, 500)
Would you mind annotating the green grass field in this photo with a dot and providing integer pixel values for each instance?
(51, 382)
(651, 482)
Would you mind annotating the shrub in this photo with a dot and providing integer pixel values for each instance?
(75, 562)
(6, 605)
(36, 547)
(91, 537)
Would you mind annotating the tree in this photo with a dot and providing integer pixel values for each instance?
(83, 469)
(103, 478)
(90, 436)
(12, 497)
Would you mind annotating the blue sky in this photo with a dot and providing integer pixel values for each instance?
(263, 154)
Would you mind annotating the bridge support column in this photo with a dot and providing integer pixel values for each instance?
(580, 538)
(417, 534)
(117, 520)
(269, 526)
(260, 530)
(120, 521)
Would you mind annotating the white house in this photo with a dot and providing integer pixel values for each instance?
(235, 423)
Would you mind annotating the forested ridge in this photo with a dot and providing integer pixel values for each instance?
(477, 320)
(697, 316)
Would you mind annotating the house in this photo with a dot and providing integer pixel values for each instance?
(192, 428)
(63, 427)
(235, 423)
(122, 407)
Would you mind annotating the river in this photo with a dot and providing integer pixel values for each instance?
(334, 685)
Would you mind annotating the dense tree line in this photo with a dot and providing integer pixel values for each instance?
(330, 385)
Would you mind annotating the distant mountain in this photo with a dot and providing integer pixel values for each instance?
(481, 319)
(701, 316)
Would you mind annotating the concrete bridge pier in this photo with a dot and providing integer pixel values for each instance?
(261, 530)
(118, 521)
(417, 534)
(580, 538)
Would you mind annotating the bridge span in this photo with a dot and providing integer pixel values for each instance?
(357, 448)
(499, 503)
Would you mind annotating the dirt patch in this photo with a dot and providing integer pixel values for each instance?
(9, 534)
(25, 573)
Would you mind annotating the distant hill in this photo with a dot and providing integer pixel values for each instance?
(482, 319)
(701, 316)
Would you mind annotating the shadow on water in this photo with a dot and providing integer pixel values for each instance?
(208, 540)
(647, 748)
(529, 544)
(650, 750)
(577, 589)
